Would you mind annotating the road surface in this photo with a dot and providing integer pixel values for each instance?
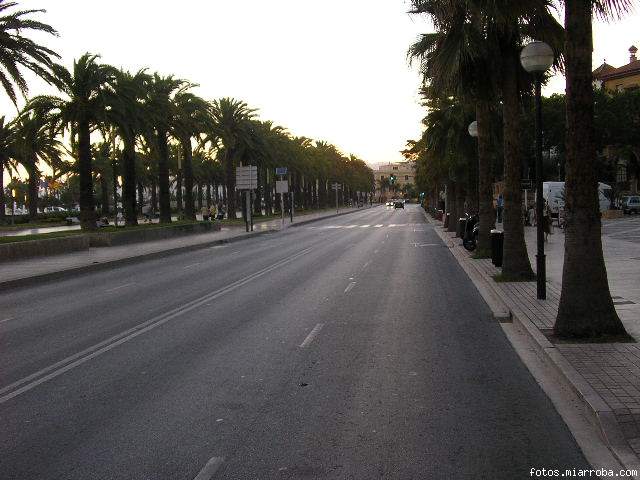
(350, 348)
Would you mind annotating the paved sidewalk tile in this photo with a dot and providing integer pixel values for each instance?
(611, 369)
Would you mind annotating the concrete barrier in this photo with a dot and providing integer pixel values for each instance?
(37, 248)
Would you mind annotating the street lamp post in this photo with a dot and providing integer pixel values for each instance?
(536, 58)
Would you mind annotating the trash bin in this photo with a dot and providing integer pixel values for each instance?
(462, 221)
(497, 242)
(446, 220)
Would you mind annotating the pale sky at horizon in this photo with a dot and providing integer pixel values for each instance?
(334, 72)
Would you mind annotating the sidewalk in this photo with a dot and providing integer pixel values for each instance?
(19, 272)
(606, 376)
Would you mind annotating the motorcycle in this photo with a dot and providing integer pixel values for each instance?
(471, 228)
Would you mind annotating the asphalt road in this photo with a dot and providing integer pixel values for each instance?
(351, 348)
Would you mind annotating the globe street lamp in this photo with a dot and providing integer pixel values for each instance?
(473, 129)
(536, 58)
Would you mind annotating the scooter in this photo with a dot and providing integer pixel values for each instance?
(471, 228)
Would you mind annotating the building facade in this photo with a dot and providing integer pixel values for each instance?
(395, 180)
(626, 159)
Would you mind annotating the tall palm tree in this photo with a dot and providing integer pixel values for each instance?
(456, 60)
(17, 51)
(231, 132)
(160, 108)
(125, 111)
(192, 117)
(80, 110)
(586, 308)
(36, 142)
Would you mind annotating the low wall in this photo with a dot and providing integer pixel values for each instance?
(38, 248)
(109, 239)
(73, 243)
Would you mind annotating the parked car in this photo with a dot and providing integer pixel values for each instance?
(631, 204)
(54, 209)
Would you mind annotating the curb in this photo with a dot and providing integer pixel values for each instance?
(333, 215)
(65, 273)
(595, 408)
(61, 274)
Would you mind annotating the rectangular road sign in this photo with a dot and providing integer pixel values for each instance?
(282, 186)
(247, 177)
(336, 186)
(281, 170)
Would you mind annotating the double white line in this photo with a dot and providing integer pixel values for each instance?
(52, 371)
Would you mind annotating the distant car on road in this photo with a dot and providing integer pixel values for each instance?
(389, 204)
(398, 204)
(631, 205)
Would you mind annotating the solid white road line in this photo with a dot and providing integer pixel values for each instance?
(378, 226)
(6, 319)
(191, 265)
(312, 335)
(52, 371)
(210, 468)
(119, 287)
(364, 226)
(349, 287)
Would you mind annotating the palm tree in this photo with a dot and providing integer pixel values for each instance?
(126, 113)
(455, 60)
(18, 51)
(80, 110)
(586, 308)
(231, 132)
(35, 142)
(192, 117)
(160, 108)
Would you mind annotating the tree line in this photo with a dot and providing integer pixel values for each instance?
(471, 72)
(108, 122)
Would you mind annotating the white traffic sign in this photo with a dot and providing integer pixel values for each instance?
(247, 177)
(282, 186)
(336, 186)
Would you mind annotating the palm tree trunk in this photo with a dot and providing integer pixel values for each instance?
(230, 177)
(586, 308)
(32, 194)
(516, 263)
(179, 192)
(129, 184)
(104, 194)
(189, 210)
(2, 199)
(140, 197)
(200, 197)
(451, 206)
(154, 197)
(485, 189)
(87, 205)
(163, 178)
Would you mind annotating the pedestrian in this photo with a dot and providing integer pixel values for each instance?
(500, 205)
(205, 214)
(213, 212)
(546, 221)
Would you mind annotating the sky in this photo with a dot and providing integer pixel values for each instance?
(333, 70)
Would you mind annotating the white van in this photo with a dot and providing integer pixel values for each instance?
(553, 192)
